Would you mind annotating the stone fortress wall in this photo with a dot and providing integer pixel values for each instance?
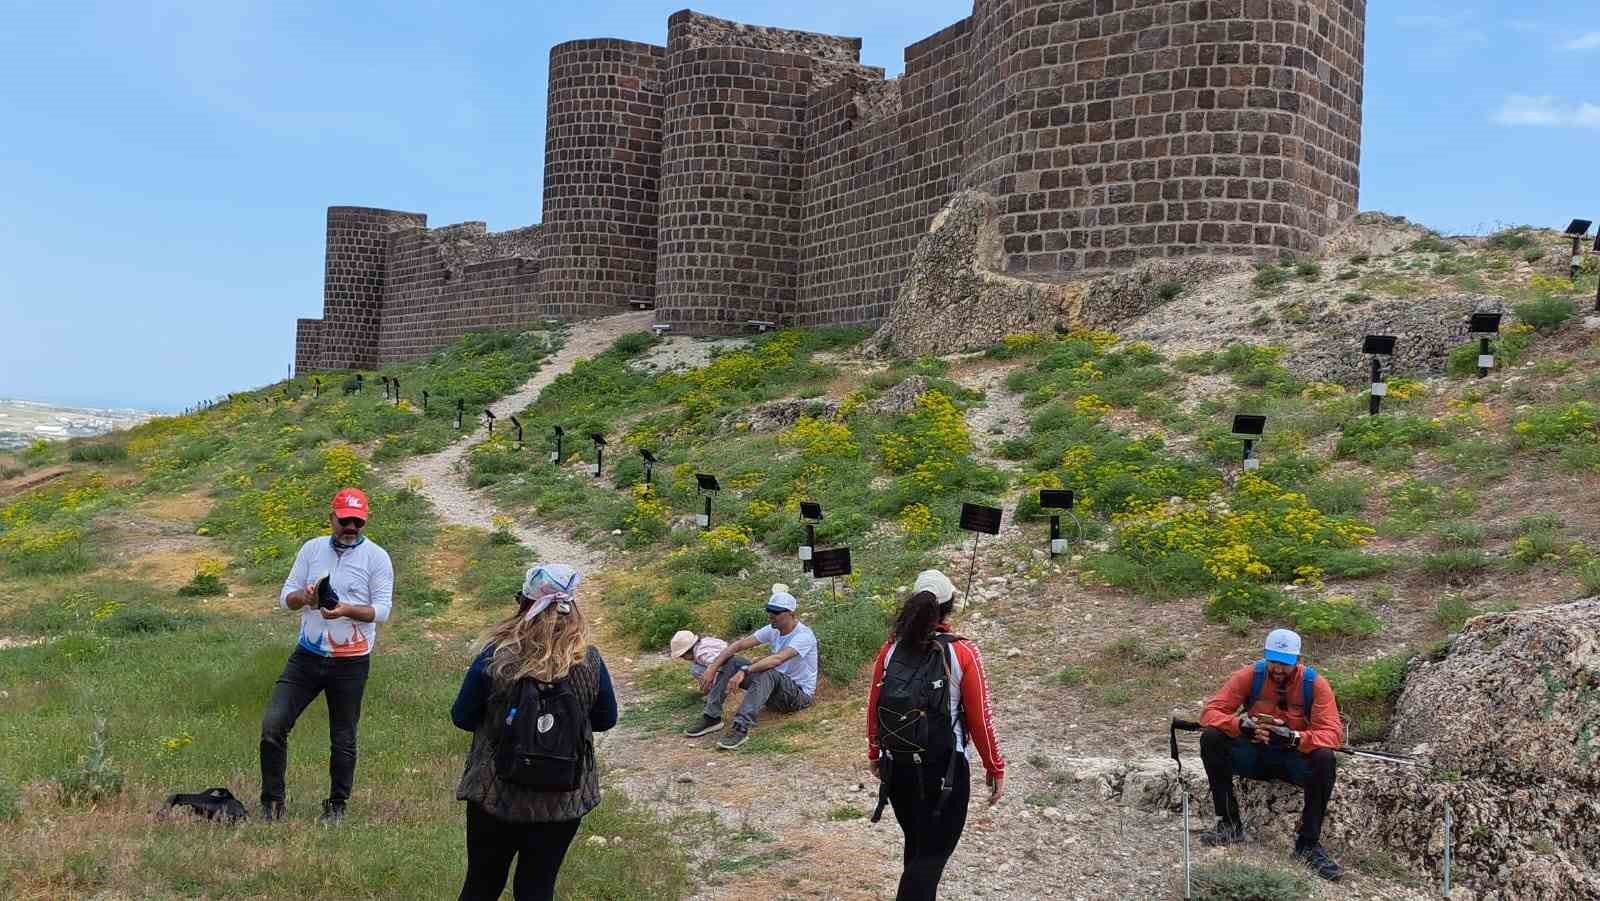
(743, 175)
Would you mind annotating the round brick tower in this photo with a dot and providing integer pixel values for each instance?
(353, 282)
(732, 183)
(1111, 134)
(602, 158)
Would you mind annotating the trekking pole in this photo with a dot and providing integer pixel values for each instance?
(1183, 789)
(972, 569)
(1447, 843)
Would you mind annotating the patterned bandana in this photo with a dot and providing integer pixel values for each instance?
(546, 584)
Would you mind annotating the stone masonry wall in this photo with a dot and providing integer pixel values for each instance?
(746, 173)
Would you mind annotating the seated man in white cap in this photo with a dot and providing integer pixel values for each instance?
(784, 680)
(1276, 720)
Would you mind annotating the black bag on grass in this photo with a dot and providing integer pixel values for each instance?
(211, 804)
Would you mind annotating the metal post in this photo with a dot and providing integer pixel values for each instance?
(518, 426)
(424, 400)
(972, 568)
(1249, 449)
(1188, 889)
(557, 459)
(811, 542)
(1376, 400)
(316, 384)
(1055, 532)
(599, 459)
(707, 523)
(489, 415)
(649, 473)
(396, 383)
(1483, 351)
(1597, 297)
(461, 407)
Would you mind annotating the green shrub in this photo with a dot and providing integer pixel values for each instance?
(1072, 676)
(1356, 297)
(204, 584)
(1309, 271)
(1508, 350)
(655, 622)
(1534, 255)
(141, 620)
(1361, 259)
(633, 343)
(1168, 291)
(1589, 577)
(93, 779)
(1546, 313)
(1269, 277)
(1234, 881)
(1511, 240)
(1333, 617)
(1256, 603)
(1367, 438)
(1556, 425)
(851, 632)
(1459, 534)
(1337, 495)
(691, 587)
(1456, 565)
(1348, 275)
(10, 801)
(1368, 695)
(98, 452)
(1431, 243)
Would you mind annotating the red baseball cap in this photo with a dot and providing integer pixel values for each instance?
(350, 502)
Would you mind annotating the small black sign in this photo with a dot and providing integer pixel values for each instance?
(978, 518)
(598, 439)
(559, 432)
(1578, 228)
(830, 563)
(810, 510)
(647, 455)
(1247, 426)
(1381, 345)
(707, 482)
(1055, 499)
(1484, 324)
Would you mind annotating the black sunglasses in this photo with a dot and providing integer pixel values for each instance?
(348, 521)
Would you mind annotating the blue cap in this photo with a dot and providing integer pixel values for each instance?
(1283, 646)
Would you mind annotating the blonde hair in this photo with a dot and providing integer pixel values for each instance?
(544, 648)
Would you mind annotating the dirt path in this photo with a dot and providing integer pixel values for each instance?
(439, 476)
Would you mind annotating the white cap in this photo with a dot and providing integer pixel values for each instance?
(781, 599)
(1283, 646)
(682, 641)
(935, 583)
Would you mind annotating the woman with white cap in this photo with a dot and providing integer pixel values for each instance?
(533, 700)
(929, 703)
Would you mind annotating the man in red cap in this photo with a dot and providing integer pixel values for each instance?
(343, 586)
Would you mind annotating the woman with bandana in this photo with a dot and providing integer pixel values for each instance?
(545, 640)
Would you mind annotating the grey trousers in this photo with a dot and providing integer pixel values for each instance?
(768, 689)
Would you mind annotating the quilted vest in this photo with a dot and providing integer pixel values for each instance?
(512, 803)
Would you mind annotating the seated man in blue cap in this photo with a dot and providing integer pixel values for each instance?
(784, 680)
(1277, 720)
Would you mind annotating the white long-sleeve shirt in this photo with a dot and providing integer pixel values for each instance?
(361, 576)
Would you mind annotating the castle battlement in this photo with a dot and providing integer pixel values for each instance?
(746, 173)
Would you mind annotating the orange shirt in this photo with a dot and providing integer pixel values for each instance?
(1323, 730)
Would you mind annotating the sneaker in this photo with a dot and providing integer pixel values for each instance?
(1320, 863)
(735, 737)
(271, 811)
(332, 813)
(705, 726)
(1225, 833)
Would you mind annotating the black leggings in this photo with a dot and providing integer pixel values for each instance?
(930, 840)
(491, 843)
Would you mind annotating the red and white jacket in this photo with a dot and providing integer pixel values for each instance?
(970, 694)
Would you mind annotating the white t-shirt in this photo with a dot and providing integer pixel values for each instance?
(361, 576)
(803, 668)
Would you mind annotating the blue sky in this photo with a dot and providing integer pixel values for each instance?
(165, 166)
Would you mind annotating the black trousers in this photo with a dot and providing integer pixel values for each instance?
(930, 840)
(1227, 757)
(344, 680)
(491, 843)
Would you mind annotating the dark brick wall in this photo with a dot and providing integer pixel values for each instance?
(732, 183)
(1114, 131)
(307, 345)
(602, 162)
(445, 283)
(353, 282)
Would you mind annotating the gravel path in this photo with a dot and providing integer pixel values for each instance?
(440, 479)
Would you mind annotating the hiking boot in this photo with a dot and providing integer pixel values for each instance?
(332, 813)
(705, 726)
(271, 811)
(735, 737)
(1225, 833)
(1320, 863)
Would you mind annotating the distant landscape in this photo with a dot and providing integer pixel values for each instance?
(24, 422)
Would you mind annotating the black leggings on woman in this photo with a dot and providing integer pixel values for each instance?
(492, 842)
(930, 840)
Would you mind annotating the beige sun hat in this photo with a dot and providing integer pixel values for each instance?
(682, 641)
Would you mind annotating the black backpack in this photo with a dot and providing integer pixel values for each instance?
(544, 745)
(211, 804)
(913, 718)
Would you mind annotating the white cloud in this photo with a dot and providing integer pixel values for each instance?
(1546, 111)
(1588, 41)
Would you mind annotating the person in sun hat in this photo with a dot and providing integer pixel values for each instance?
(537, 680)
(927, 707)
(1274, 720)
(699, 650)
(784, 680)
(343, 586)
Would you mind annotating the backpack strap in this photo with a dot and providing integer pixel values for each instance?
(1308, 692)
(1258, 679)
